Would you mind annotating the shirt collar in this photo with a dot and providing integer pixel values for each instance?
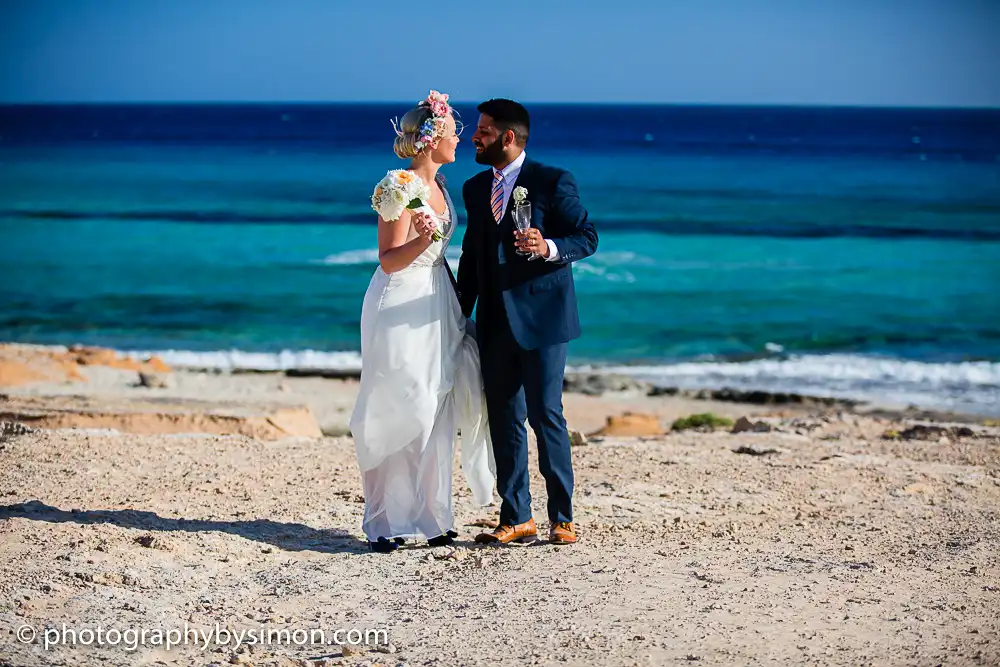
(513, 167)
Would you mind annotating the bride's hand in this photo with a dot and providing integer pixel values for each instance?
(424, 225)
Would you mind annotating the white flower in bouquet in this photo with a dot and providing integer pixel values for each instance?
(398, 191)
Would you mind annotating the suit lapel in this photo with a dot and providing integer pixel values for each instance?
(484, 216)
(487, 191)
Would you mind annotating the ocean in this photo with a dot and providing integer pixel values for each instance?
(846, 252)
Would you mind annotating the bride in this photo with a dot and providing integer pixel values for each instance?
(420, 377)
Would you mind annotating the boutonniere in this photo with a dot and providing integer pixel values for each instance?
(520, 194)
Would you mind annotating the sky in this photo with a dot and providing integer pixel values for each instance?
(827, 52)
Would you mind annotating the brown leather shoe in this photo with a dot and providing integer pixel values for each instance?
(504, 534)
(562, 532)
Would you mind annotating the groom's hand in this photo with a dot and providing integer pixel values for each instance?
(531, 241)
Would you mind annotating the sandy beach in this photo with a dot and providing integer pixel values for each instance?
(823, 535)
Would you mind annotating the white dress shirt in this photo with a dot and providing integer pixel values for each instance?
(510, 174)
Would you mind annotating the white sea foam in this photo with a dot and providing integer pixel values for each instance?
(965, 386)
(370, 256)
(972, 386)
(260, 361)
(351, 257)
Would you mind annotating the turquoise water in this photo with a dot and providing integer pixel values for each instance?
(843, 273)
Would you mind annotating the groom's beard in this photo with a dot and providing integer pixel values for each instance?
(492, 154)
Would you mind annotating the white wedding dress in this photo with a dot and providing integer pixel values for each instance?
(420, 382)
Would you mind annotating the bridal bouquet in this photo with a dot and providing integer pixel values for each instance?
(398, 191)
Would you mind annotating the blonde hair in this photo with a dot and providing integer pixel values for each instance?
(405, 145)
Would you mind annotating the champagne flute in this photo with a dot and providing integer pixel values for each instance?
(522, 220)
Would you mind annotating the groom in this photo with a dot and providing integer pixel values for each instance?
(526, 314)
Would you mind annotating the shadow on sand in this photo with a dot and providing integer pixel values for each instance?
(286, 536)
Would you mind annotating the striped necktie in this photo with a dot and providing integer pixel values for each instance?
(496, 199)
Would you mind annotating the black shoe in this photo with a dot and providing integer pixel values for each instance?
(399, 540)
(445, 540)
(382, 546)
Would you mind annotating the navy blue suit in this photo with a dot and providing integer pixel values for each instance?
(526, 314)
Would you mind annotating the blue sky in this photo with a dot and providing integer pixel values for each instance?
(856, 52)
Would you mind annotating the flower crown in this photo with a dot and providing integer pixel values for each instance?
(433, 128)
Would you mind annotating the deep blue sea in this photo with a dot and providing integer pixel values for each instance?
(845, 252)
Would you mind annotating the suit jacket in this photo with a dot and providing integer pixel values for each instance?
(539, 297)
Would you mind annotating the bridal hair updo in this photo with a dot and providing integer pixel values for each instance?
(421, 125)
(409, 131)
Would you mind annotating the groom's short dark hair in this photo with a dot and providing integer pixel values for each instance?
(508, 115)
